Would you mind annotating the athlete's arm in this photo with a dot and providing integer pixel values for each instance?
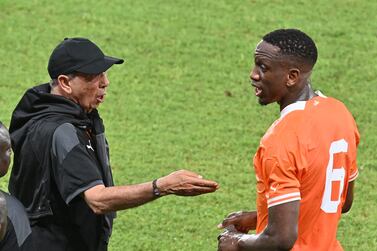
(349, 198)
(280, 233)
(103, 199)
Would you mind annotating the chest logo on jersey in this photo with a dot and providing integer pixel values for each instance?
(89, 146)
(274, 187)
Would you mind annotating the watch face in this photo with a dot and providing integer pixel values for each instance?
(156, 191)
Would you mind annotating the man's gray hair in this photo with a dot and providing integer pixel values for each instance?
(54, 82)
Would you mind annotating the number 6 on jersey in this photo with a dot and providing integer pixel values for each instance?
(332, 175)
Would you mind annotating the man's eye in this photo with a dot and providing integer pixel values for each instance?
(263, 67)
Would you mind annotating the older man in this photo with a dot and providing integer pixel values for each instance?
(306, 163)
(61, 169)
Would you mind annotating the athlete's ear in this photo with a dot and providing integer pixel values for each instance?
(293, 76)
(64, 84)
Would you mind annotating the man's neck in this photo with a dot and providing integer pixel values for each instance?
(305, 94)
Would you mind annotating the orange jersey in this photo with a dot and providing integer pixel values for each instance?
(308, 154)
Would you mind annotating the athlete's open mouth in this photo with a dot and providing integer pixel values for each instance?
(258, 91)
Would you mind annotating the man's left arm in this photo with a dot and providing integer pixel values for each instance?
(280, 233)
(349, 198)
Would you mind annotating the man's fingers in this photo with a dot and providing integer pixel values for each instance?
(231, 228)
(230, 219)
(199, 182)
(227, 222)
(207, 183)
(219, 237)
(232, 215)
(195, 179)
(198, 178)
(187, 183)
(195, 190)
(222, 235)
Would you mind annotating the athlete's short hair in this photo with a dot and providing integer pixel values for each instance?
(293, 42)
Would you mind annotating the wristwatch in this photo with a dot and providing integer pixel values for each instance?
(156, 191)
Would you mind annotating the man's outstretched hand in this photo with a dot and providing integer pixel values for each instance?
(185, 183)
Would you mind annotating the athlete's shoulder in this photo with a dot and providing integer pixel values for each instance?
(18, 218)
(15, 207)
(326, 103)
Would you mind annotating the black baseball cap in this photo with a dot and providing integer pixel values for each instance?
(79, 55)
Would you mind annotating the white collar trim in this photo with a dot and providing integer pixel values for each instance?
(319, 93)
(299, 105)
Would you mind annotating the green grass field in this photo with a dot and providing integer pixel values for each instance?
(183, 98)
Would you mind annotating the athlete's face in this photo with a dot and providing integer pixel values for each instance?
(269, 75)
(89, 90)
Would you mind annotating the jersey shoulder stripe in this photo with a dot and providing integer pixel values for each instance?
(283, 199)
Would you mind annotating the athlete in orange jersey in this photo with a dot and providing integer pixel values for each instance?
(305, 165)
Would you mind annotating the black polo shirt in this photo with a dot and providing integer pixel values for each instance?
(59, 152)
(75, 168)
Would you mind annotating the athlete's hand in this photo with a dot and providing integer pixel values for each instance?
(228, 240)
(185, 183)
(242, 221)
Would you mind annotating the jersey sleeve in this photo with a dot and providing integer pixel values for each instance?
(74, 169)
(283, 163)
(283, 185)
(354, 172)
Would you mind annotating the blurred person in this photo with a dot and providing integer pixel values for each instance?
(4, 163)
(305, 165)
(15, 231)
(3, 216)
(61, 170)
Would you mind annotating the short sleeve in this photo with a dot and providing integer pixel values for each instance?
(75, 167)
(354, 172)
(283, 185)
(283, 163)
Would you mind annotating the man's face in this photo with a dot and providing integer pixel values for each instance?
(269, 75)
(5, 152)
(89, 90)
